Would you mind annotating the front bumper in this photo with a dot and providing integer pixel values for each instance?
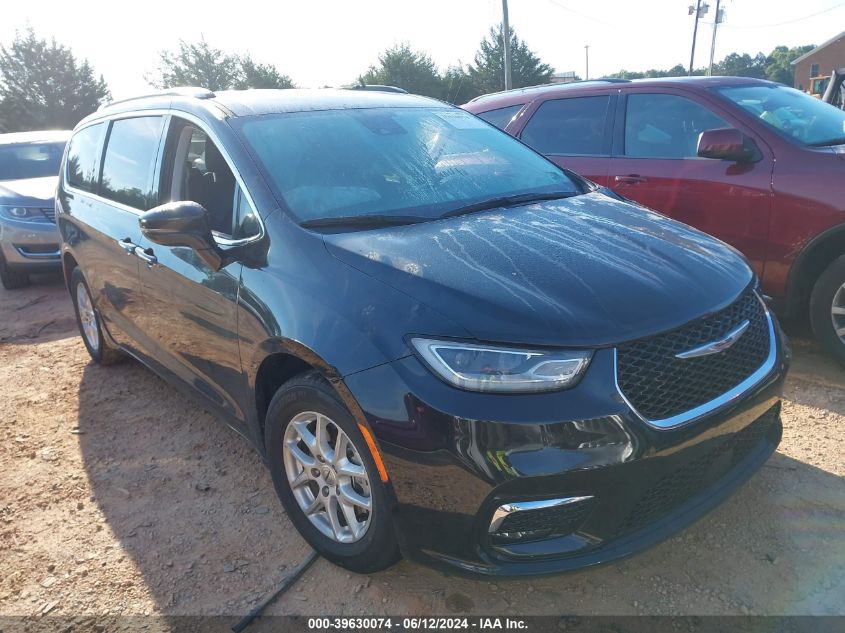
(30, 246)
(455, 457)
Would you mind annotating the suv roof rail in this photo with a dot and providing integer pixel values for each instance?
(181, 91)
(376, 88)
(552, 86)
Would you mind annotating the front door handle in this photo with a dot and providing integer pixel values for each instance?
(147, 255)
(127, 245)
(630, 179)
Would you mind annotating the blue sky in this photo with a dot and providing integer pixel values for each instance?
(330, 42)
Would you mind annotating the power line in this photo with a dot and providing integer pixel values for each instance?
(583, 15)
(767, 26)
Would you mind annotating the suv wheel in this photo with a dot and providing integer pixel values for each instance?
(89, 322)
(11, 278)
(827, 309)
(326, 477)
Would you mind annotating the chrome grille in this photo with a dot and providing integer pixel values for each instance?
(659, 385)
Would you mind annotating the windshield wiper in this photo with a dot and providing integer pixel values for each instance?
(833, 141)
(363, 221)
(507, 201)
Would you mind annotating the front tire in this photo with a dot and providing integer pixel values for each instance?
(326, 477)
(89, 324)
(10, 278)
(827, 309)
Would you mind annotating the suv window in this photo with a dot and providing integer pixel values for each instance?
(82, 158)
(129, 162)
(501, 116)
(573, 126)
(201, 174)
(666, 126)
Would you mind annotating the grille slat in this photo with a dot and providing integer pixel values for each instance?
(49, 213)
(556, 520)
(661, 386)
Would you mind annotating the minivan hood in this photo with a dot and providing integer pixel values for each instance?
(582, 271)
(35, 191)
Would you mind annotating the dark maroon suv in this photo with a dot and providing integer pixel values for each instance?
(752, 162)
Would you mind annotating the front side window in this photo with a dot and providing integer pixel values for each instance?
(201, 174)
(501, 116)
(573, 127)
(129, 161)
(666, 126)
(30, 160)
(423, 162)
(791, 113)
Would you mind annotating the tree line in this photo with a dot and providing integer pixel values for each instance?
(43, 85)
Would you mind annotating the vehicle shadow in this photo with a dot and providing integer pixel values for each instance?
(39, 313)
(194, 510)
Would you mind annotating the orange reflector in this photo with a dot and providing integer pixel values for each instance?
(382, 471)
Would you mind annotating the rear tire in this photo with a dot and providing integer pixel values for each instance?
(10, 278)
(88, 320)
(342, 539)
(827, 310)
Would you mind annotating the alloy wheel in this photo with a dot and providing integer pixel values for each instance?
(327, 477)
(837, 313)
(87, 317)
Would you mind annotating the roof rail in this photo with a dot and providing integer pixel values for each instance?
(552, 86)
(181, 91)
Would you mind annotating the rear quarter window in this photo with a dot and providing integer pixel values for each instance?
(573, 126)
(83, 157)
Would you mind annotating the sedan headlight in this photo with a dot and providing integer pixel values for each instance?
(26, 214)
(502, 369)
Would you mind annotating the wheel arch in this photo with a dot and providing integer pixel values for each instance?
(68, 264)
(811, 262)
(280, 360)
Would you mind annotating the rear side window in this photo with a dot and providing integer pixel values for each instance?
(83, 158)
(501, 116)
(574, 126)
(129, 162)
(666, 126)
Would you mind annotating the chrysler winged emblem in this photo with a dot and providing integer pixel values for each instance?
(714, 347)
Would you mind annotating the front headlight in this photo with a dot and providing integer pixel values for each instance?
(26, 214)
(502, 369)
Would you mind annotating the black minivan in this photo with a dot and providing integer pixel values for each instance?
(440, 343)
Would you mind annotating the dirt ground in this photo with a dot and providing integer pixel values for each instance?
(118, 496)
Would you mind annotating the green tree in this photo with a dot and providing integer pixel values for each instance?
(405, 68)
(200, 64)
(487, 71)
(43, 86)
(458, 86)
(779, 63)
(736, 65)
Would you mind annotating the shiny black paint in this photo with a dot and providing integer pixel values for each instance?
(587, 271)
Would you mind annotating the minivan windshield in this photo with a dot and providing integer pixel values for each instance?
(799, 116)
(377, 165)
(30, 160)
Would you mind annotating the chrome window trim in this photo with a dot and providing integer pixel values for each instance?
(506, 509)
(219, 238)
(725, 399)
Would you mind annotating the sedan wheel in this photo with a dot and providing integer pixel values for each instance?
(327, 477)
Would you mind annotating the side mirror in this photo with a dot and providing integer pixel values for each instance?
(182, 224)
(727, 144)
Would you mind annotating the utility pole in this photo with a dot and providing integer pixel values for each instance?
(698, 9)
(587, 54)
(716, 23)
(506, 43)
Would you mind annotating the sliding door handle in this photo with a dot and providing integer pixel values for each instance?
(147, 255)
(630, 179)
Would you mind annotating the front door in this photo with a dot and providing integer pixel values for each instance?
(655, 163)
(191, 309)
